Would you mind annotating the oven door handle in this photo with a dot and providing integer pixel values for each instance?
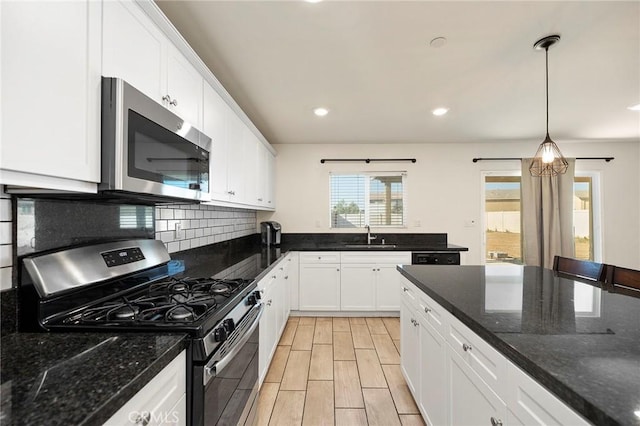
(214, 367)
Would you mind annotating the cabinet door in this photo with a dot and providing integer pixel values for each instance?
(184, 86)
(216, 113)
(251, 147)
(471, 400)
(433, 376)
(50, 85)
(134, 49)
(271, 181)
(387, 288)
(235, 145)
(409, 348)
(293, 279)
(261, 176)
(267, 340)
(319, 287)
(357, 287)
(531, 404)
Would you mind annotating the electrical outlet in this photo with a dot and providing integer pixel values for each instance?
(417, 224)
(179, 231)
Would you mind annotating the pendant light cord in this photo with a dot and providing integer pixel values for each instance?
(546, 62)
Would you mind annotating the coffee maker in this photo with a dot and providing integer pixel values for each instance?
(271, 232)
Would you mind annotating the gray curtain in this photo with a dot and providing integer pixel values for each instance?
(547, 216)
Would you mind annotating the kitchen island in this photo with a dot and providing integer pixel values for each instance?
(580, 342)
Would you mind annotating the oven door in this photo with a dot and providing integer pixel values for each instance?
(230, 378)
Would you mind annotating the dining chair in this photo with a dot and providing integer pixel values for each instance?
(623, 279)
(584, 269)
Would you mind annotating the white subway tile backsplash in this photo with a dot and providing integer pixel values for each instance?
(5, 232)
(5, 255)
(5, 209)
(5, 278)
(202, 225)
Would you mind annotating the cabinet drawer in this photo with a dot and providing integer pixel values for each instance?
(157, 399)
(531, 404)
(409, 293)
(488, 363)
(383, 257)
(432, 313)
(320, 257)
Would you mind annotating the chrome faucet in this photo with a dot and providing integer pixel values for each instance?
(369, 237)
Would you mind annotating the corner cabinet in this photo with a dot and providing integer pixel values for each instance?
(161, 401)
(50, 102)
(458, 379)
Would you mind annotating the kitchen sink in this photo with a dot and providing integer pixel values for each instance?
(370, 246)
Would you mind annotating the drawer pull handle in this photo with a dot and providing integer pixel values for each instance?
(427, 310)
(496, 422)
(405, 289)
(269, 302)
(466, 347)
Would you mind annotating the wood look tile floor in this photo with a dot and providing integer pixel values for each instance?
(337, 371)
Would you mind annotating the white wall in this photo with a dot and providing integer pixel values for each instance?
(444, 188)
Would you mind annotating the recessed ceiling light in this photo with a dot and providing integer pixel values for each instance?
(313, 1)
(440, 111)
(438, 42)
(634, 107)
(320, 112)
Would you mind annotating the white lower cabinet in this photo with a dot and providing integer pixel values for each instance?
(409, 341)
(432, 399)
(274, 289)
(471, 400)
(357, 287)
(457, 378)
(160, 402)
(530, 404)
(319, 287)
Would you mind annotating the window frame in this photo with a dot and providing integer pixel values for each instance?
(368, 174)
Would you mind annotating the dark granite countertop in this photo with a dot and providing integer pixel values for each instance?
(345, 242)
(578, 340)
(77, 378)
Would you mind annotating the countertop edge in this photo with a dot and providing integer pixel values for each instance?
(120, 398)
(570, 397)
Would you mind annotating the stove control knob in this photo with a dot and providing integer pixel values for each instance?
(258, 295)
(229, 325)
(251, 300)
(220, 334)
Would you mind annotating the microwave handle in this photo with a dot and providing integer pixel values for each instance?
(214, 367)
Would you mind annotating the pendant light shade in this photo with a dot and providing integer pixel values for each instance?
(548, 160)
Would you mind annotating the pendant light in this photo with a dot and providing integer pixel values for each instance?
(548, 160)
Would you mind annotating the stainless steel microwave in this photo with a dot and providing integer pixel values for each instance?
(148, 151)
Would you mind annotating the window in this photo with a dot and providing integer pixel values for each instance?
(502, 219)
(136, 217)
(502, 207)
(375, 199)
(583, 217)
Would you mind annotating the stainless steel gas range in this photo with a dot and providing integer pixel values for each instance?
(126, 286)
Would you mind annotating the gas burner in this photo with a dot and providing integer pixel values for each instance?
(220, 287)
(178, 287)
(123, 313)
(180, 313)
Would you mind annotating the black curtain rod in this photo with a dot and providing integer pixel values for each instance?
(367, 160)
(475, 160)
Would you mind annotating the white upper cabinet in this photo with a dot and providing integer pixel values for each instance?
(184, 88)
(50, 102)
(216, 113)
(136, 50)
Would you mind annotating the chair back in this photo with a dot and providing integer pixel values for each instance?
(585, 269)
(624, 278)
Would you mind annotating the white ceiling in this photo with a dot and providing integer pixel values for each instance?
(370, 63)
